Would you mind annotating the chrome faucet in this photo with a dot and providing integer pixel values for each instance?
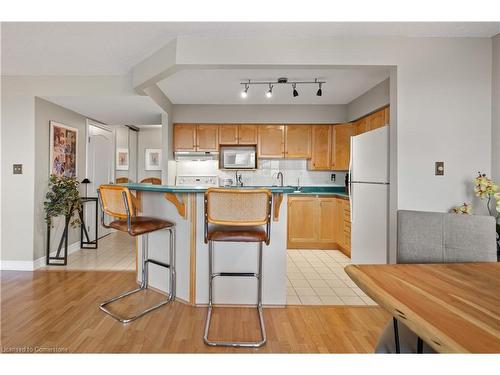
(280, 177)
(238, 181)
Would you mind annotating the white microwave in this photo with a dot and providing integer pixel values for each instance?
(237, 157)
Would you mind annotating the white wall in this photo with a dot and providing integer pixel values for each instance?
(45, 112)
(442, 111)
(289, 114)
(148, 137)
(496, 110)
(18, 146)
(373, 99)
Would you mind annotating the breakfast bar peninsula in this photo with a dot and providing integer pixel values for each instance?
(185, 207)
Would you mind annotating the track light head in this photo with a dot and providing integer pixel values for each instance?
(295, 92)
(244, 93)
(320, 91)
(269, 93)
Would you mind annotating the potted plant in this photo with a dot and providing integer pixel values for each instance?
(63, 198)
(485, 188)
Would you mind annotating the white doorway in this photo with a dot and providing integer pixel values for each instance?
(100, 157)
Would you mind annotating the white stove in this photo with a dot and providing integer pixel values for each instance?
(197, 181)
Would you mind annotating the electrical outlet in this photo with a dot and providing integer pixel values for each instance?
(17, 169)
(333, 177)
(439, 169)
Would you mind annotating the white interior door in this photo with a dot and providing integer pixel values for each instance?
(99, 171)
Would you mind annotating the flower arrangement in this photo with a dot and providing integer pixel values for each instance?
(483, 188)
(486, 188)
(465, 209)
(63, 198)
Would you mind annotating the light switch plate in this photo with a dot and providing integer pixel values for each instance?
(439, 169)
(17, 168)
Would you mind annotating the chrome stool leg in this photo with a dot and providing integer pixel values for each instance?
(144, 280)
(211, 276)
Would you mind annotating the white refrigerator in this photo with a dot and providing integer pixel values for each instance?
(369, 196)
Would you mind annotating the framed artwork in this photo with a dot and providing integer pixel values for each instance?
(63, 145)
(153, 159)
(122, 159)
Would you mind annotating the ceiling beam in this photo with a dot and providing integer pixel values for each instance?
(155, 93)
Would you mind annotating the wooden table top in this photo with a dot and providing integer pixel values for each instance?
(454, 308)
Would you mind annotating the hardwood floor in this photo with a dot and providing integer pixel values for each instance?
(59, 310)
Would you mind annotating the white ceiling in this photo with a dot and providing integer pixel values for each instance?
(113, 110)
(107, 48)
(222, 86)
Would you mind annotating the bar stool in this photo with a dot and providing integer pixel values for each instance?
(117, 202)
(237, 216)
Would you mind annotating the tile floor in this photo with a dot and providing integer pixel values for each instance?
(116, 252)
(317, 277)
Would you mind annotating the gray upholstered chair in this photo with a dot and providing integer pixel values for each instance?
(433, 237)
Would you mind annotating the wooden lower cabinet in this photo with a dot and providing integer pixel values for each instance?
(327, 221)
(344, 227)
(302, 229)
(317, 222)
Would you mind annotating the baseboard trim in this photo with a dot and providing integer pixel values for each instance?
(17, 265)
(27, 265)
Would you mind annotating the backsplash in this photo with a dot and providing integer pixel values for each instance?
(265, 175)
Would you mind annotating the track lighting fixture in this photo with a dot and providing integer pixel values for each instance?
(244, 93)
(269, 93)
(319, 92)
(281, 81)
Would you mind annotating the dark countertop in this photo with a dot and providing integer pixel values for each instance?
(304, 190)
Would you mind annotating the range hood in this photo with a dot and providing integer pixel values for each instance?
(196, 155)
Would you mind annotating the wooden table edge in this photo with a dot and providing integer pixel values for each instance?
(439, 342)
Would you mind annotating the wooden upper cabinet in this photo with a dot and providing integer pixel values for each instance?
(271, 141)
(321, 148)
(361, 126)
(375, 120)
(341, 146)
(207, 138)
(228, 134)
(298, 141)
(247, 134)
(184, 137)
